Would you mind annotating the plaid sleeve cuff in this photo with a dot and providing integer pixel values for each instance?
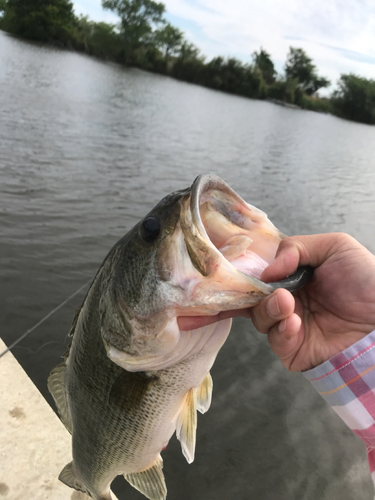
(347, 383)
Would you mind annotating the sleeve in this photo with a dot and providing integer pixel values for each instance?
(347, 383)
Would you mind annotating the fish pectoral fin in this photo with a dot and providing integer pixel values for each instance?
(204, 394)
(68, 477)
(150, 482)
(56, 387)
(186, 425)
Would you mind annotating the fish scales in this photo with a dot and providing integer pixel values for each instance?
(134, 374)
(117, 432)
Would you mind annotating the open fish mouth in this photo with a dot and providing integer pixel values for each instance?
(241, 233)
(230, 243)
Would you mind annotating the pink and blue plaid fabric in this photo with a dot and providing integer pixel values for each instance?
(347, 383)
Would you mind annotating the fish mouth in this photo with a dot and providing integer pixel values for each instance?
(228, 241)
(241, 233)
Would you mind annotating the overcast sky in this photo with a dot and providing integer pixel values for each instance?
(339, 35)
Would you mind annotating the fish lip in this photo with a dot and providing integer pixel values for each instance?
(201, 185)
(206, 182)
(204, 255)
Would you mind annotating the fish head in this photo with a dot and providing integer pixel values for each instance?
(200, 251)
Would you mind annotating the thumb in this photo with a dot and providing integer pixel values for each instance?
(296, 251)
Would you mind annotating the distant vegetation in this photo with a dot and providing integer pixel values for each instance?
(144, 38)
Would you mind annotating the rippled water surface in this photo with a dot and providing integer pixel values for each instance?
(86, 149)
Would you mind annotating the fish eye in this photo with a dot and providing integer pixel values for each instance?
(150, 229)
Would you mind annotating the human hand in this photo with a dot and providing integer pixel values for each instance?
(332, 312)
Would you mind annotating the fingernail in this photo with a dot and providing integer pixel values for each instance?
(282, 326)
(273, 307)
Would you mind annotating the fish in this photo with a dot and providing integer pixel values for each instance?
(138, 366)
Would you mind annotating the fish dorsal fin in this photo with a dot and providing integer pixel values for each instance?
(150, 482)
(68, 477)
(56, 387)
(204, 394)
(186, 425)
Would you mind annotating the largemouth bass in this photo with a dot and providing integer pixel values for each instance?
(137, 369)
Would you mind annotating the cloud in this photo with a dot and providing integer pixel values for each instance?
(353, 55)
(338, 35)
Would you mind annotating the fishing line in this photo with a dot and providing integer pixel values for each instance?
(41, 347)
(43, 319)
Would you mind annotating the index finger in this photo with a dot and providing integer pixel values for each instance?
(295, 251)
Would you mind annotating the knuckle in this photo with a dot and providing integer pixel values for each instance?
(258, 318)
(345, 238)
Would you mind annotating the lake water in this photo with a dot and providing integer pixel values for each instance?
(86, 149)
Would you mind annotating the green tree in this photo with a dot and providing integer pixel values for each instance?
(286, 90)
(355, 98)
(230, 75)
(82, 34)
(169, 39)
(189, 64)
(105, 41)
(189, 52)
(138, 19)
(99, 39)
(299, 66)
(44, 20)
(263, 63)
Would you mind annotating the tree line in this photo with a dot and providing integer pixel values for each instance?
(145, 39)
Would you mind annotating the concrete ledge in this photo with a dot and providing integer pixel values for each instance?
(34, 444)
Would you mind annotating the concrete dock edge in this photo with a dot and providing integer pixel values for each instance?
(34, 444)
